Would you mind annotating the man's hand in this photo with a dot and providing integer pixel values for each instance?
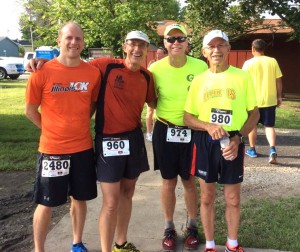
(35, 64)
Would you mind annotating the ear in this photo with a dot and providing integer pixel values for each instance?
(124, 47)
(58, 41)
(204, 52)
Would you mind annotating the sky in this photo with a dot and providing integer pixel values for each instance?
(9, 18)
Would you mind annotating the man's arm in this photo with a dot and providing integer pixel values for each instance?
(216, 131)
(33, 114)
(253, 117)
(152, 104)
(93, 108)
(279, 91)
(35, 64)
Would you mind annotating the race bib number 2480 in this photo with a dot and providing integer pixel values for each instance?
(55, 166)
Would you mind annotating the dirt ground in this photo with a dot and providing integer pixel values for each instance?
(261, 180)
(16, 211)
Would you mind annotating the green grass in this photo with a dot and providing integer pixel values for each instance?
(270, 224)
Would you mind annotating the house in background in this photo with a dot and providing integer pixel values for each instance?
(8, 48)
(26, 44)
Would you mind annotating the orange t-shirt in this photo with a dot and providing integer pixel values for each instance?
(122, 96)
(65, 95)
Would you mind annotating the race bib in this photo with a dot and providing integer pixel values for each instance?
(177, 134)
(55, 166)
(221, 116)
(115, 146)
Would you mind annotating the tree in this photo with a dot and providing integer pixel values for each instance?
(238, 18)
(105, 22)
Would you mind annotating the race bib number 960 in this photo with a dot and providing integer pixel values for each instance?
(221, 116)
(55, 166)
(115, 147)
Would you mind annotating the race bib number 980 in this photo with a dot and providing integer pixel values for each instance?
(115, 147)
(221, 117)
(55, 166)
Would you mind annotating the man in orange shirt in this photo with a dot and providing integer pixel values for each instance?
(66, 90)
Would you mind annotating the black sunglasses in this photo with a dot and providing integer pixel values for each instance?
(173, 39)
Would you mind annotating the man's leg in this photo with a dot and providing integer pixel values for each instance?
(232, 212)
(252, 136)
(41, 220)
(191, 201)
(127, 188)
(168, 198)
(271, 136)
(108, 214)
(207, 209)
(78, 214)
(191, 197)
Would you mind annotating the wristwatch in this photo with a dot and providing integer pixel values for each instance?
(240, 136)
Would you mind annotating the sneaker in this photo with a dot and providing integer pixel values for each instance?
(129, 247)
(238, 248)
(273, 156)
(149, 137)
(79, 247)
(192, 240)
(251, 153)
(169, 240)
(210, 250)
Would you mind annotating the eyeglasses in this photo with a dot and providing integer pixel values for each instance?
(213, 47)
(173, 39)
(142, 45)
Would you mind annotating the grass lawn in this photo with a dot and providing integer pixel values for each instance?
(266, 224)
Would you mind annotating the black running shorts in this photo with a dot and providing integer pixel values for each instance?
(209, 164)
(113, 168)
(80, 183)
(172, 159)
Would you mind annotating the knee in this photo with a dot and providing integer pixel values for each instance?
(207, 199)
(233, 200)
(169, 185)
(127, 192)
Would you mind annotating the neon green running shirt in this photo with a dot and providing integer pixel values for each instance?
(229, 91)
(264, 71)
(172, 85)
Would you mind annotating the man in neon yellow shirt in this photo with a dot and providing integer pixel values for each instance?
(268, 85)
(171, 139)
(221, 104)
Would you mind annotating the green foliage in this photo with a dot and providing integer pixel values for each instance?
(238, 18)
(105, 22)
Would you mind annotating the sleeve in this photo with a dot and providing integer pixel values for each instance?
(278, 72)
(190, 105)
(34, 88)
(151, 94)
(96, 88)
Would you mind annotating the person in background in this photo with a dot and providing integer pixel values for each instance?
(150, 116)
(65, 164)
(221, 108)
(121, 154)
(171, 139)
(267, 75)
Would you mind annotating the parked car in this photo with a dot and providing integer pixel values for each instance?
(10, 67)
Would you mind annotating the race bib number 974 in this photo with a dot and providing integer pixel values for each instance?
(115, 147)
(55, 166)
(178, 134)
(221, 116)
